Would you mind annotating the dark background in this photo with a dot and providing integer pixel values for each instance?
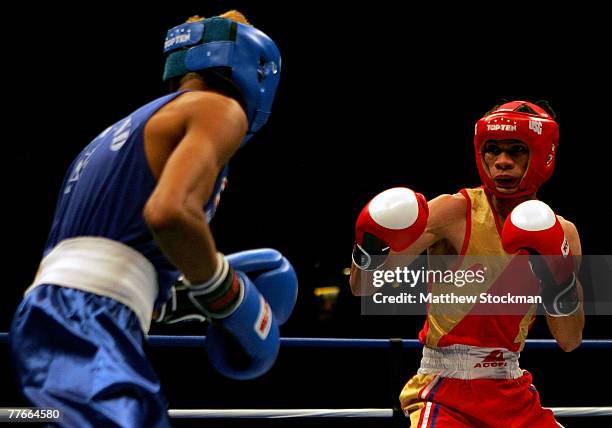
(368, 99)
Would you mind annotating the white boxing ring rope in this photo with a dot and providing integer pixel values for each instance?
(280, 413)
(343, 413)
(198, 341)
(325, 342)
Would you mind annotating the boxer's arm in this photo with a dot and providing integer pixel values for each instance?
(567, 331)
(214, 127)
(447, 214)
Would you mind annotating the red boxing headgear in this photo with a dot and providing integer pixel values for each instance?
(512, 121)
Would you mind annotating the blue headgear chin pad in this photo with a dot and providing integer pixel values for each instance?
(252, 57)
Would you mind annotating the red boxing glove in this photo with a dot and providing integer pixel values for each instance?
(532, 226)
(394, 219)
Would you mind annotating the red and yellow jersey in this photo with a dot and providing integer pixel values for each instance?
(465, 323)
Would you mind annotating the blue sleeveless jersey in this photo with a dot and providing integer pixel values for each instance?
(106, 188)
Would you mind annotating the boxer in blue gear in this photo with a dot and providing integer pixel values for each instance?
(130, 218)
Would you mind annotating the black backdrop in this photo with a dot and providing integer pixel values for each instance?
(368, 100)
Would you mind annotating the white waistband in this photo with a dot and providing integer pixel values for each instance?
(471, 362)
(104, 267)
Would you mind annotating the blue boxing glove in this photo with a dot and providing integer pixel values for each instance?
(273, 276)
(243, 339)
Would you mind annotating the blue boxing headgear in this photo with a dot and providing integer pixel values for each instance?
(252, 57)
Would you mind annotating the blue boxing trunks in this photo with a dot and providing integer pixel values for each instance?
(82, 353)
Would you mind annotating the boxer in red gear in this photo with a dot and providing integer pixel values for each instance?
(469, 374)
(534, 228)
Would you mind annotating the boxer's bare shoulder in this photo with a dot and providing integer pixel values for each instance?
(447, 219)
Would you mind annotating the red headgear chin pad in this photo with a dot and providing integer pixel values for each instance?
(526, 122)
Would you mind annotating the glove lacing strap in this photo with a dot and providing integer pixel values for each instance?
(565, 302)
(178, 308)
(371, 254)
(558, 300)
(361, 258)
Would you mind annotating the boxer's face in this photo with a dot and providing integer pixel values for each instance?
(506, 161)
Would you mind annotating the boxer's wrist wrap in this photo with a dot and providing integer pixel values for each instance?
(558, 300)
(221, 294)
(371, 254)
